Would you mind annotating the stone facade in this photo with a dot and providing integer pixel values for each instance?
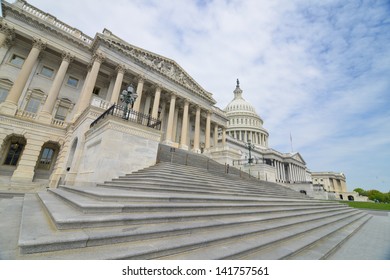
(55, 81)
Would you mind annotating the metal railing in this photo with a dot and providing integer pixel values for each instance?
(129, 115)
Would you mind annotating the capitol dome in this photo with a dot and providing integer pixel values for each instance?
(244, 123)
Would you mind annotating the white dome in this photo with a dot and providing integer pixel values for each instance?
(239, 104)
(244, 123)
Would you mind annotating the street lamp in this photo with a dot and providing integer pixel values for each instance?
(250, 147)
(128, 96)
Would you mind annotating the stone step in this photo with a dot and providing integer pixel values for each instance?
(166, 186)
(66, 216)
(180, 170)
(273, 244)
(216, 183)
(299, 242)
(124, 193)
(329, 244)
(90, 205)
(39, 235)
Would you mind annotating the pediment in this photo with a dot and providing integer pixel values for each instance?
(298, 157)
(165, 66)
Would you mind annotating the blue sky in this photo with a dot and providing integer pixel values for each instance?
(319, 70)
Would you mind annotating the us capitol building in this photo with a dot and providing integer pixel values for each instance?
(63, 120)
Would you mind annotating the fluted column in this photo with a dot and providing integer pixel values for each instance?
(170, 119)
(184, 126)
(140, 86)
(86, 93)
(10, 105)
(197, 131)
(121, 69)
(156, 102)
(215, 135)
(45, 115)
(208, 130)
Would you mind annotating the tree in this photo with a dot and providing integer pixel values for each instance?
(360, 191)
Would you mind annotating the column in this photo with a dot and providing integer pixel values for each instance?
(26, 166)
(86, 93)
(10, 105)
(156, 102)
(175, 122)
(184, 126)
(162, 114)
(215, 135)
(147, 104)
(197, 131)
(45, 115)
(223, 136)
(168, 138)
(208, 130)
(121, 69)
(140, 86)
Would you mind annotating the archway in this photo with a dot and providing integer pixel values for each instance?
(351, 198)
(341, 197)
(47, 159)
(11, 153)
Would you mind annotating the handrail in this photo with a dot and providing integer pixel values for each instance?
(129, 115)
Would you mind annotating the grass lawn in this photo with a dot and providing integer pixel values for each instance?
(368, 205)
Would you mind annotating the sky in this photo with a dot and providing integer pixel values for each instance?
(316, 70)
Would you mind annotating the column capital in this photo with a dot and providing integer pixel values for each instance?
(99, 57)
(6, 29)
(39, 44)
(141, 78)
(121, 68)
(9, 33)
(67, 56)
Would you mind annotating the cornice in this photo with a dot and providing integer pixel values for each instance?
(17, 13)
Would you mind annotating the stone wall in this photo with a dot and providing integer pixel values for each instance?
(115, 147)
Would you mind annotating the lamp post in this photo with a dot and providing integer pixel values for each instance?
(250, 147)
(128, 96)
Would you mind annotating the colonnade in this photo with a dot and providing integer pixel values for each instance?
(246, 135)
(289, 172)
(45, 115)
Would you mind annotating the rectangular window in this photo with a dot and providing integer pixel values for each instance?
(47, 72)
(61, 113)
(72, 81)
(3, 94)
(96, 91)
(17, 60)
(33, 105)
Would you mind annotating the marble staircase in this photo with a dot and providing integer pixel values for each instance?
(176, 211)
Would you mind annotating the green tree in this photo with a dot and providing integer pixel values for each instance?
(360, 191)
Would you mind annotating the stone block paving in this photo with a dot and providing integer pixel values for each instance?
(10, 217)
(371, 242)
